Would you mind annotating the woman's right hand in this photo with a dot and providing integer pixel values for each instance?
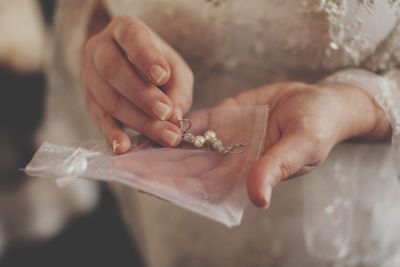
(134, 78)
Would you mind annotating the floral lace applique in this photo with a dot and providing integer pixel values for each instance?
(387, 55)
(347, 43)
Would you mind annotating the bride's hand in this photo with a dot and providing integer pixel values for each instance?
(305, 122)
(133, 78)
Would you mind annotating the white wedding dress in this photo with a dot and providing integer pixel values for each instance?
(346, 213)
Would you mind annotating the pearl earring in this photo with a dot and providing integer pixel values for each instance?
(210, 138)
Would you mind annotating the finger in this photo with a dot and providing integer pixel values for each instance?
(134, 38)
(179, 88)
(117, 138)
(284, 159)
(162, 132)
(115, 68)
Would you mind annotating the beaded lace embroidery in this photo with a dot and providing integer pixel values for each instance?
(347, 45)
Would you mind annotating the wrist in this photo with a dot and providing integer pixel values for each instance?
(362, 117)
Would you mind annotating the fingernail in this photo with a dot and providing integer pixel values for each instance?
(178, 114)
(169, 137)
(267, 196)
(158, 73)
(161, 110)
(115, 145)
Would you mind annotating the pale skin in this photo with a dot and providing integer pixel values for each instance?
(129, 70)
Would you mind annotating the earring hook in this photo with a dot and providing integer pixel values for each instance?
(236, 149)
(188, 127)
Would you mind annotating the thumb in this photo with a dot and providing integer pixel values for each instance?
(179, 87)
(284, 159)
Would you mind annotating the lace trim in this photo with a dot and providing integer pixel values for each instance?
(387, 55)
(347, 45)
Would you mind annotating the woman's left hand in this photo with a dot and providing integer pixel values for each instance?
(305, 122)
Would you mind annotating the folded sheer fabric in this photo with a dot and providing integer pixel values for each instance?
(201, 180)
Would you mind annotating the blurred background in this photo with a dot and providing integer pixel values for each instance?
(41, 224)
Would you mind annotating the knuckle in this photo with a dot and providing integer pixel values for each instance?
(145, 56)
(138, 93)
(145, 127)
(107, 64)
(129, 30)
(285, 171)
(278, 169)
(148, 57)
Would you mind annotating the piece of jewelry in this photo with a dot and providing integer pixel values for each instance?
(209, 138)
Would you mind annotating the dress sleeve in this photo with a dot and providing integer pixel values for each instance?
(384, 88)
(379, 76)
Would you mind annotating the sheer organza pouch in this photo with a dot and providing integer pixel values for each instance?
(201, 180)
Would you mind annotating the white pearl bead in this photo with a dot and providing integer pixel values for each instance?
(215, 143)
(222, 149)
(210, 135)
(189, 138)
(199, 141)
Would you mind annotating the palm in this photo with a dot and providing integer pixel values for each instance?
(305, 122)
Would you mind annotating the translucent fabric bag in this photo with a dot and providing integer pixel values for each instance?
(201, 180)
